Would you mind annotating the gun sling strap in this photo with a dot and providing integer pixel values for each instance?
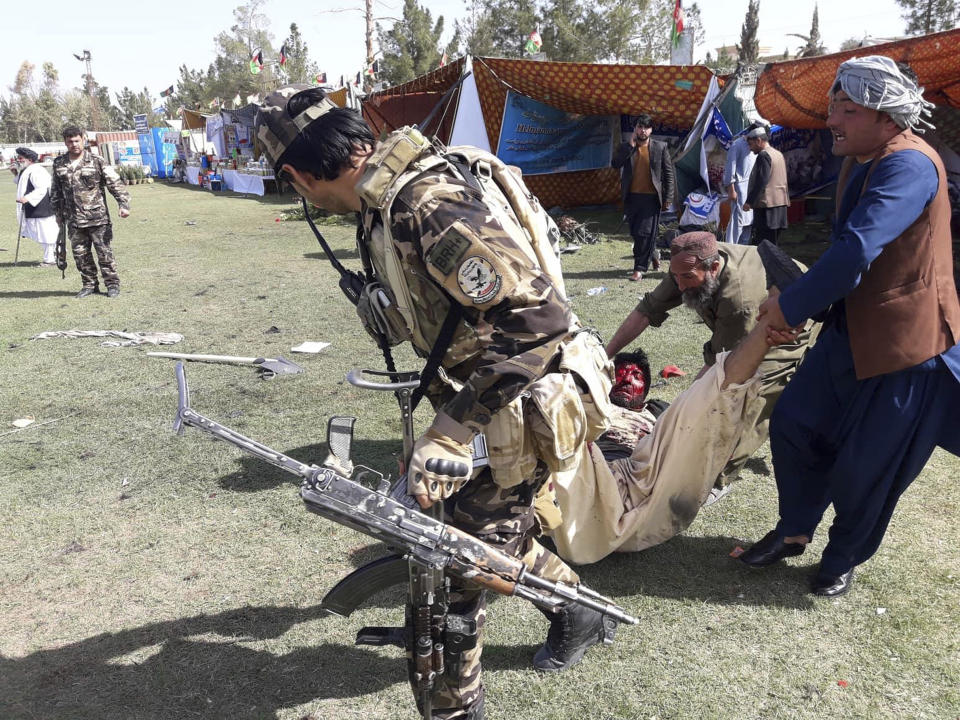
(352, 282)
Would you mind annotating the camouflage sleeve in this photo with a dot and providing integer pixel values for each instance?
(56, 197)
(112, 180)
(658, 302)
(518, 317)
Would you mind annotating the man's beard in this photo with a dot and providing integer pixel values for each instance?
(701, 298)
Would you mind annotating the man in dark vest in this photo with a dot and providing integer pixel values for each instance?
(767, 192)
(880, 389)
(647, 182)
(34, 206)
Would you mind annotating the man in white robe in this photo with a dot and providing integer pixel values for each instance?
(35, 213)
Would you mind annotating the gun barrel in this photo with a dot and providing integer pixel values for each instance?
(580, 595)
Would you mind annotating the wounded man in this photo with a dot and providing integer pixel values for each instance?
(618, 499)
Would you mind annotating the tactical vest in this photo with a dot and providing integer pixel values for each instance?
(568, 412)
(406, 154)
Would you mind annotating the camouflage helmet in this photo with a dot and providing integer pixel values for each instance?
(276, 130)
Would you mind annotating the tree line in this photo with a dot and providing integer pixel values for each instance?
(614, 31)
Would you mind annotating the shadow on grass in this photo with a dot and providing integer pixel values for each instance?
(613, 274)
(610, 274)
(700, 569)
(255, 475)
(271, 198)
(170, 670)
(174, 673)
(338, 254)
(758, 466)
(26, 294)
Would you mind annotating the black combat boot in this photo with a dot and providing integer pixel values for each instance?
(474, 712)
(573, 629)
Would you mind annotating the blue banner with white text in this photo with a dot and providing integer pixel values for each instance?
(540, 139)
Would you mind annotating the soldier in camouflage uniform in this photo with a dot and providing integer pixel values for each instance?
(432, 242)
(79, 200)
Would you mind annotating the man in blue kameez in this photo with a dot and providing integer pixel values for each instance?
(880, 390)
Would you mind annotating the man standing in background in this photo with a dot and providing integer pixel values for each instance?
(736, 174)
(647, 184)
(767, 194)
(34, 210)
(80, 179)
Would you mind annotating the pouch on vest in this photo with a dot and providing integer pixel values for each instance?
(585, 356)
(391, 158)
(512, 459)
(379, 315)
(556, 423)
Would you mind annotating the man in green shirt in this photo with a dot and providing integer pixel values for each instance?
(725, 285)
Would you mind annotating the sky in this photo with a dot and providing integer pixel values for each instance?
(144, 48)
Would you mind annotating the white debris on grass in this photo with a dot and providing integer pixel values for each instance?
(310, 346)
(127, 339)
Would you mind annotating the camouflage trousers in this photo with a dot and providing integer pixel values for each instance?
(84, 241)
(503, 517)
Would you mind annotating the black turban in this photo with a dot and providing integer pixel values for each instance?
(27, 153)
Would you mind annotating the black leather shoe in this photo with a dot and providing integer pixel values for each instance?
(84, 292)
(112, 292)
(770, 549)
(831, 585)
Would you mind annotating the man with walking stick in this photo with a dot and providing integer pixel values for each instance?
(34, 207)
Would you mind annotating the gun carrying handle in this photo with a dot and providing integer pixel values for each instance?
(403, 386)
(409, 381)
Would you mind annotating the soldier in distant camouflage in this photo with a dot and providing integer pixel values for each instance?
(79, 200)
(436, 241)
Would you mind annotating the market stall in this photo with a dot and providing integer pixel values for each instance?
(243, 182)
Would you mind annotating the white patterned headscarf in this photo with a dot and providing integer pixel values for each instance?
(877, 83)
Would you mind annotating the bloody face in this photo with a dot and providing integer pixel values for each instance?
(630, 389)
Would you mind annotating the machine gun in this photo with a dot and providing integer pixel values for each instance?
(429, 551)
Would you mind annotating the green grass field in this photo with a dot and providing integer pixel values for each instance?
(145, 575)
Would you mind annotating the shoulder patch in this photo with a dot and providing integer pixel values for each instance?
(445, 255)
(478, 279)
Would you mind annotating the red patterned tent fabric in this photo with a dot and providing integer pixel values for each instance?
(794, 93)
(338, 97)
(412, 102)
(671, 94)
